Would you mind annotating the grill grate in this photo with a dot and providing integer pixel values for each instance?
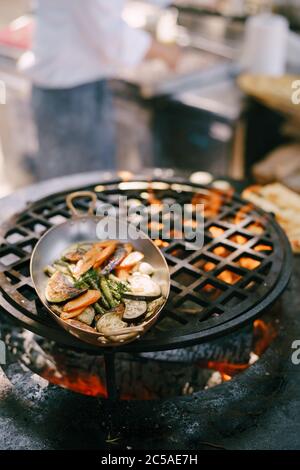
(243, 266)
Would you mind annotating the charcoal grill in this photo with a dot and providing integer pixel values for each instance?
(220, 306)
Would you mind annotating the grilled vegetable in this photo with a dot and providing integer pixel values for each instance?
(141, 284)
(73, 314)
(114, 290)
(94, 257)
(105, 243)
(122, 285)
(63, 268)
(90, 278)
(134, 309)
(49, 270)
(74, 256)
(107, 293)
(104, 303)
(87, 261)
(154, 306)
(60, 288)
(87, 316)
(147, 298)
(132, 259)
(98, 309)
(115, 260)
(106, 253)
(86, 294)
(109, 322)
(146, 268)
(128, 247)
(82, 326)
(122, 274)
(86, 299)
(56, 309)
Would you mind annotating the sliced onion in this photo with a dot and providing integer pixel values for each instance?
(144, 285)
(132, 259)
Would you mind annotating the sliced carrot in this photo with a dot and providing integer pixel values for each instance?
(122, 273)
(105, 243)
(75, 313)
(132, 259)
(128, 247)
(87, 261)
(95, 257)
(104, 255)
(83, 301)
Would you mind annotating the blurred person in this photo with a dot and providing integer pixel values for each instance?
(78, 45)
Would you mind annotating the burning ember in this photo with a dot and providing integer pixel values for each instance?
(161, 243)
(262, 247)
(213, 200)
(144, 379)
(229, 277)
(263, 334)
(92, 383)
(216, 231)
(248, 263)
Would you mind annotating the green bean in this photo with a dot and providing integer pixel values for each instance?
(49, 270)
(62, 264)
(90, 279)
(98, 309)
(104, 302)
(80, 284)
(106, 292)
(93, 284)
(114, 290)
(120, 286)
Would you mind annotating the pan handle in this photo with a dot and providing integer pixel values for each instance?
(70, 198)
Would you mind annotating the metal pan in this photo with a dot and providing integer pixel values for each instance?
(84, 227)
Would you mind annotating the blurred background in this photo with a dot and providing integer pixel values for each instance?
(205, 112)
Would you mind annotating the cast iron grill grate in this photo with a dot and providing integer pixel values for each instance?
(243, 267)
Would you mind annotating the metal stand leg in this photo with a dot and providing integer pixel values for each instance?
(110, 376)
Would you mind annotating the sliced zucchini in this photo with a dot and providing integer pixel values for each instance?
(154, 306)
(87, 316)
(60, 288)
(147, 298)
(110, 321)
(49, 270)
(134, 309)
(74, 253)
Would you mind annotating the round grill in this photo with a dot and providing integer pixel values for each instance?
(243, 267)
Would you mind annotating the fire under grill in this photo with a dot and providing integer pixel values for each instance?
(241, 270)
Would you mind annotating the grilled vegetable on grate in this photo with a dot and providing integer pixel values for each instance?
(85, 288)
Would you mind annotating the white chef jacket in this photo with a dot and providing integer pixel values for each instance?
(79, 41)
